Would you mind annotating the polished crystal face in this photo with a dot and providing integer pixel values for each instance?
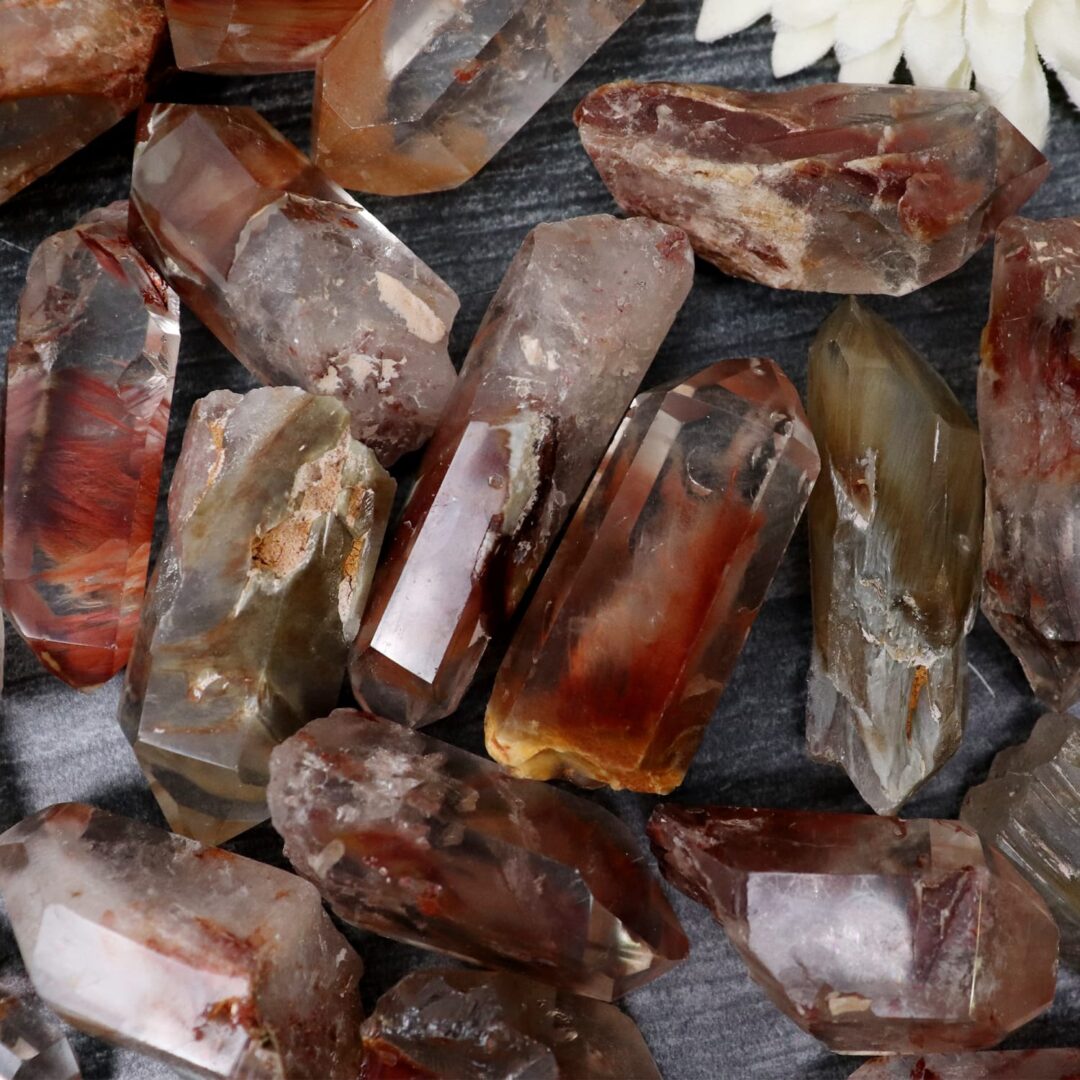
(276, 516)
(843, 189)
(90, 381)
(686, 520)
(895, 532)
(417, 840)
(566, 340)
(873, 934)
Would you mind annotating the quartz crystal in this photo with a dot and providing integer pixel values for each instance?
(418, 840)
(32, 1045)
(69, 70)
(90, 381)
(448, 1024)
(1029, 807)
(276, 516)
(301, 283)
(1029, 417)
(895, 528)
(991, 1065)
(632, 635)
(873, 934)
(567, 338)
(845, 189)
(217, 965)
(254, 36)
(419, 95)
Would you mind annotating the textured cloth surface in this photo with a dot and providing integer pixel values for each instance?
(706, 1020)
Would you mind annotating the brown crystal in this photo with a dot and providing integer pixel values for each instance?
(990, 1065)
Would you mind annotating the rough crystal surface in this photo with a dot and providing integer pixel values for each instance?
(32, 1043)
(873, 934)
(447, 1024)
(846, 189)
(895, 532)
(575, 324)
(90, 381)
(418, 840)
(633, 632)
(254, 36)
(276, 515)
(1029, 417)
(1029, 808)
(990, 1065)
(419, 95)
(297, 280)
(215, 964)
(71, 69)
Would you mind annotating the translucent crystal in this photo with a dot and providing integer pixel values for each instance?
(991, 1065)
(633, 632)
(90, 381)
(575, 324)
(873, 934)
(420, 841)
(32, 1044)
(895, 532)
(276, 515)
(845, 189)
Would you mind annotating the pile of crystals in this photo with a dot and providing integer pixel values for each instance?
(659, 517)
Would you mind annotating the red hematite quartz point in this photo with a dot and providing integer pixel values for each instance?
(295, 278)
(873, 934)
(991, 1065)
(420, 841)
(1029, 419)
(632, 635)
(216, 965)
(69, 70)
(845, 189)
(575, 324)
(90, 381)
(254, 36)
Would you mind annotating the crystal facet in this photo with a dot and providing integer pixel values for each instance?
(577, 320)
(90, 381)
(1029, 417)
(846, 189)
(895, 531)
(32, 1044)
(449, 1024)
(276, 516)
(1029, 807)
(215, 964)
(254, 36)
(301, 283)
(419, 95)
(70, 69)
(990, 1065)
(418, 840)
(632, 635)
(873, 934)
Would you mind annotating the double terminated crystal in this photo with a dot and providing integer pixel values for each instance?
(634, 630)
(419, 95)
(1029, 416)
(873, 934)
(90, 380)
(276, 515)
(298, 281)
(217, 965)
(848, 189)
(417, 840)
(563, 346)
(895, 529)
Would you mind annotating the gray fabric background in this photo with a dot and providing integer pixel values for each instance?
(706, 1020)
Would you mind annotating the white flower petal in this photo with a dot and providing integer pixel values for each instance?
(1010, 7)
(864, 26)
(795, 49)
(935, 49)
(1056, 26)
(719, 18)
(805, 13)
(997, 45)
(1026, 101)
(875, 67)
(935, 7)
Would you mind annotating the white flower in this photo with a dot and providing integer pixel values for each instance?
(945, 43)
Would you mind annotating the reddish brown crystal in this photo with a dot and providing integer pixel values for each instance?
(992, 1065)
